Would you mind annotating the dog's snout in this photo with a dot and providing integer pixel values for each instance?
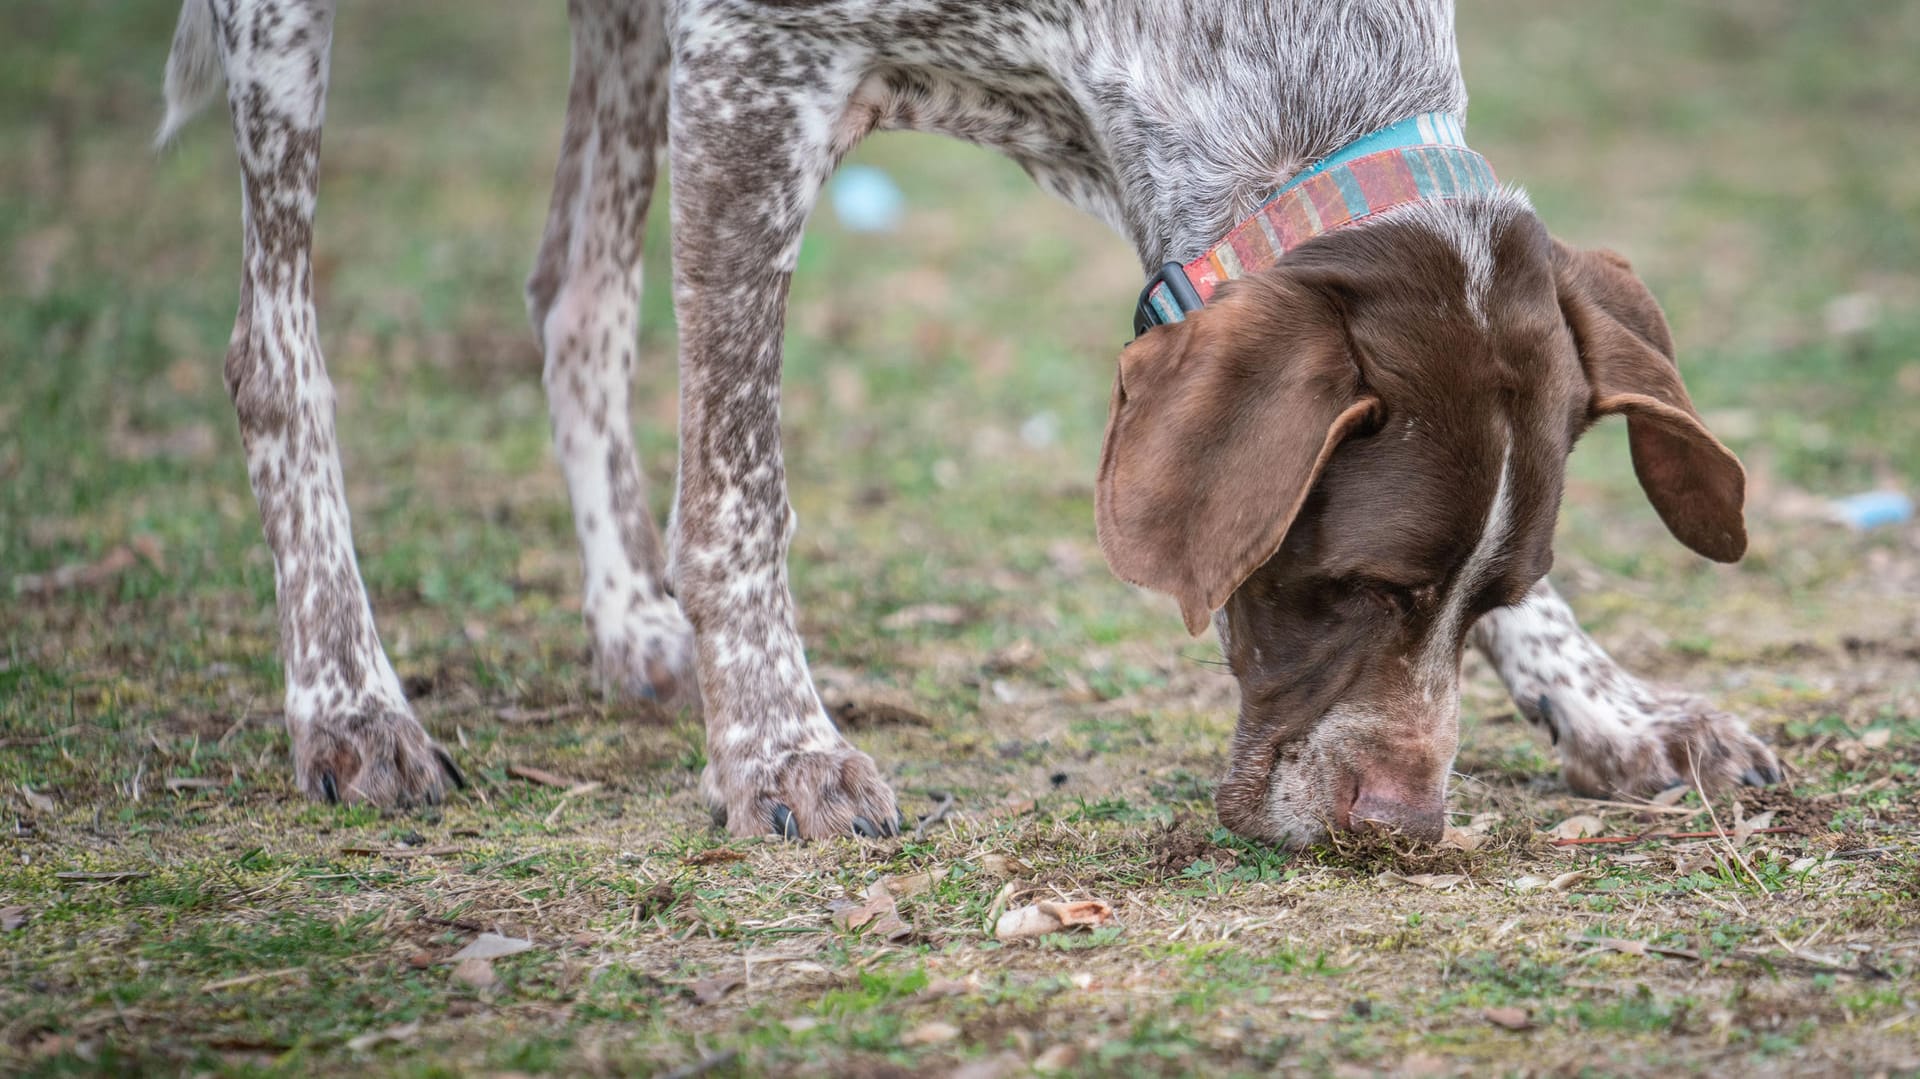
(1390, 811)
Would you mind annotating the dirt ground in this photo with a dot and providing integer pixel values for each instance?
(168, 903)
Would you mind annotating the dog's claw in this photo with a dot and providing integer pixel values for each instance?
(784, 825)
(864, 828)
(329, 788)
(453, 770)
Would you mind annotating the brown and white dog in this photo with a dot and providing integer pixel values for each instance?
(1350, 462)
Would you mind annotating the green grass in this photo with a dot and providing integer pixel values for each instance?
(1748, 158)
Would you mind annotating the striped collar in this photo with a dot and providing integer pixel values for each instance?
(1422, 158)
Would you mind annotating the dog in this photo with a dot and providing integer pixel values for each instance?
(1339, 438)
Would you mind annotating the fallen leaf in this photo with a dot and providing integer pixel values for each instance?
(477, 973)
(1638, 947)
(1528, 883)
(910, 884)
(401, 1032)
(875, 912)
(1049, 917)
(800, 1024)
(932, 1033)
(715, 989)
(1461, 839)
(1565, 881)
(249, 979)
(36, 801)
(1436, 881)
(12, 918)
(1671, 796)
(1876, 738)
(1317, 1015)
(117, 877)
(1510, 1018)
(1422, 1066)
(1002, 866)
(940, 988)
(1057, 1059)
(714, 856)
(1744, 831)
(1576, 827)
(491, 946)
(540, 776)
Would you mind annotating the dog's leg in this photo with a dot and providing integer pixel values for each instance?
(1616, 735)
(753, 137)
(584, 297)
(354, 738)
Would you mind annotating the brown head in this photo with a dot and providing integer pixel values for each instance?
(1344, 461)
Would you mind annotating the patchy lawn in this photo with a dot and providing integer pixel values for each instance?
(168, 904)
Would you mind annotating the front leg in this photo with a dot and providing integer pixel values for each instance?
(752, 140)
(1617, 736)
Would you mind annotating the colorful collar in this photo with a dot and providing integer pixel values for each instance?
(1419, 159)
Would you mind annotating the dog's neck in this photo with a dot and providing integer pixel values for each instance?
(1218, 113)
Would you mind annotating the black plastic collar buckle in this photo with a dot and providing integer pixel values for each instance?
(1174, 276)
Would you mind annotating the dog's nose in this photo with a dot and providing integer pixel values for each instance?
(1388, 812)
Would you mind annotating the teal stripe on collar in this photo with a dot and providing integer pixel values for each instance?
(1426, 129)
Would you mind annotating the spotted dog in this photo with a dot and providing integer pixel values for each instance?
(1347, 455)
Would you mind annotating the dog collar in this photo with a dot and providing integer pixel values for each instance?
(1422, 158)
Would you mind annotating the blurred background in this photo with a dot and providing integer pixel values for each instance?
(950, 351)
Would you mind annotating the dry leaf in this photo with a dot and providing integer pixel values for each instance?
(1565, 881)
(1876, 739)
(875, 912)
(910, 884)
(1002, 866)
(402, 1032)
(89, 574)
(1048, 917)
(1510, 1018)
(12, 918)
(1436, 881)
(1057, 1059)
(715, 989)
(540, 776)
(930, 1034)
(1638, 947)
(36, 801)
(1670, 796)
(1461, 839)
(477, 973)
(1744, 831)
(714, 856)
(491, 946)
(1577, 827)
(1422, 1066)
(800, 1024)
(1317, 1015)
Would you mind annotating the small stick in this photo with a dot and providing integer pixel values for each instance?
(939, 814)
(1715, 818)
(1587, 840)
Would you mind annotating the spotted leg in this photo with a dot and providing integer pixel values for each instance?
(354, 736)
(1616, 734)
(584, 297)
(753, 137)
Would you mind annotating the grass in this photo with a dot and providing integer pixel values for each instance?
(941, 449)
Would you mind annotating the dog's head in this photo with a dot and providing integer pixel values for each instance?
(1346, 460)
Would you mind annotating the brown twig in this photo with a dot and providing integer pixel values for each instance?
(1588, 840)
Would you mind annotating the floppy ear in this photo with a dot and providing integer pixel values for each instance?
(1695, 483)
(1219, 426)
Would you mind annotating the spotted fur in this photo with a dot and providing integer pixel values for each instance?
(1168, 120)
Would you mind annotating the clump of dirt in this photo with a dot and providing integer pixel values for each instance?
(1373, 853)
(1179, 845)
(1789, 809)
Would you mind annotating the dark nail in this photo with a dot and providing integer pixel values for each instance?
(452, 769)
(1753, 777)
(327, 788)
(864, 828)
(899, 823)
(719, 815)
(784, 825)
(1545, 707)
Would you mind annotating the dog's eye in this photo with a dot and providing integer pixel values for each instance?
(1395, 599)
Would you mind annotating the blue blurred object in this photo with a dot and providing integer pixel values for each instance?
(1872, 509)
(866, 199)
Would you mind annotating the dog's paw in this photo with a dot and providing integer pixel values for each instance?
(802, 794)
(643, 649)
(1661, 739)
(380, 757)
